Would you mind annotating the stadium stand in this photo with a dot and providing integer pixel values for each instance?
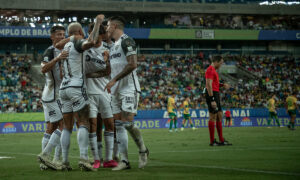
(18, 92)
(160, 76)
(199, 21)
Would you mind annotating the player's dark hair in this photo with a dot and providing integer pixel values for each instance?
(121, 21)
(104, 23)
(101, 29)
(56, 28)
(217, 58)
(295, 93)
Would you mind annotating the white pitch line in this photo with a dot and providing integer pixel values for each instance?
(6, 157)
(229, 168)
(195, 166)
(227, 149)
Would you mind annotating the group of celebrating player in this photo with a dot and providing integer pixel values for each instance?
(94, 82)
(91, 81)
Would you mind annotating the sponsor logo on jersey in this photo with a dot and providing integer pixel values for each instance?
(52, 113)
(117, 47)
(246, 122)
(89, 58)
(115, 55)
(9, 128)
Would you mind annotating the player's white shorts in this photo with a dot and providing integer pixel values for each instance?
(73, 99)
(52, 111)
(127, 102)
(100, 103)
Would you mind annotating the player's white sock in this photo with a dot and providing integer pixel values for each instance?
(83, 141)
(116, 149)
(57, 151)
(45, 140)
(136, 135)
(93, 145)
(109, 145)
(122, 139)
(65, 144)
(53, 142)
(100, 147)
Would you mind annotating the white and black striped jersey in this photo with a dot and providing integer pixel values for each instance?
(94, 61)
(53, 79)
(73, 66)
(122, 48)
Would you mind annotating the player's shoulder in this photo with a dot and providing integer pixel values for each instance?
(68, 44)
(127, 41)
(50, 48)
(209, 69)
(48, 54)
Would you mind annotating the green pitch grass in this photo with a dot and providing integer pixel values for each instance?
(257, 153)
(21, 117)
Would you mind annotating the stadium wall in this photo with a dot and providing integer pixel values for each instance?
(153, 119)
(147, 6)
(153, 33)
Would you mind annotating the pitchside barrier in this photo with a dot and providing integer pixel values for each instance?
(154, 119)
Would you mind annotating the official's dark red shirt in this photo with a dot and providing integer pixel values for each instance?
(227, 113)
(212, 74)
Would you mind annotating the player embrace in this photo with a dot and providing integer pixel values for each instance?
(125, 90)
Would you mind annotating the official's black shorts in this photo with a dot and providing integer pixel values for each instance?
(217, 99)
(227, 118)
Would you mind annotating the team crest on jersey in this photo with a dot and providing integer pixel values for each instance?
(117, 47)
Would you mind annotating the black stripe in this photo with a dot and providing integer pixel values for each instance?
(82, 72)
(134, 83)
(70, 87)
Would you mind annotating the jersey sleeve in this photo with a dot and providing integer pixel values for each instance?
(48, 55)
(128, 46)
(78, 45)
(209, 74)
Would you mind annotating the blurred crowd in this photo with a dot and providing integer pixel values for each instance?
(18, 92)
(204, 21)
(254, 22)
(162, 75)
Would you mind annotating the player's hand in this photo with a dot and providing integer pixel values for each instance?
(214, 104)
(105, 55)
(63, 55)
(110, 85)
(226, 86)
(100, 18)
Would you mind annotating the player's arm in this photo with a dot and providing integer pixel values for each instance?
(82, 45)
(93, 37)
(48, 65)
(286, 106)
(210, 92)
(296, 105)
(209, 87)
(61, 44)
(174, 105)
(104, 72)
(129, 48)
